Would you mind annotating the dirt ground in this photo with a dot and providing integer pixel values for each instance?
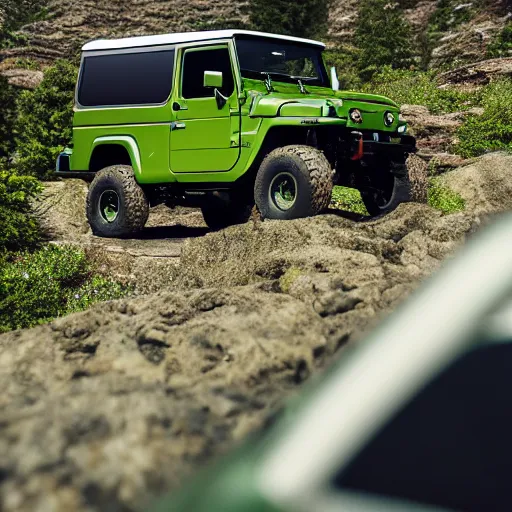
(105, 409)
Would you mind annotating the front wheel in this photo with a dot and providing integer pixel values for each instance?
(293, 182)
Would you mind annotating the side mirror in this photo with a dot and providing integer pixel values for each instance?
(335, 83)
(213, 79)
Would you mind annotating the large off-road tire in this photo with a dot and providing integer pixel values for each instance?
(400, 183)
(219, 213)
(293, 182)
(116, 205)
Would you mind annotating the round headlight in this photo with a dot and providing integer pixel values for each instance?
(356, 116)
(389, 118)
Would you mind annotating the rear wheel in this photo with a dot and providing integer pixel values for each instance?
(293, 182)
(116, 205)
(220, 212)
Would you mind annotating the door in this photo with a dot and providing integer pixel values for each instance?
(205, 133)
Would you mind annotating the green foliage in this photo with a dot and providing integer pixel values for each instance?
(348, 199)
(383, 37)
(420, 88)
(26, 63)
(345, 59)
(307, 18)
(15, 14)
(444, 199)
(289, 277)
(18, 229)
(52, 282)
(449, 14)
(492, 130)
(502, 46)
(44, 121)
(8, 95)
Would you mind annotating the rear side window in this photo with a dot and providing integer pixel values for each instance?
(126, 79)
(195, 63)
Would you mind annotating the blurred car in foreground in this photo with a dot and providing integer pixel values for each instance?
(417, 417)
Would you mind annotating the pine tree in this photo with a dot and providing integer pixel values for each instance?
(300, 18)
(44, 120)
(383, 37)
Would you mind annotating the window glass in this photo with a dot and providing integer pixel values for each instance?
(126, 79)
(196, 63)
(284, 61)
(451, 446)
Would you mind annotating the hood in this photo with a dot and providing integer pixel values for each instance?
(286, 100)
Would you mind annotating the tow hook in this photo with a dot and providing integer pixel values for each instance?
(358, 143)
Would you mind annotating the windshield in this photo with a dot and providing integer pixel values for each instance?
(282, 60)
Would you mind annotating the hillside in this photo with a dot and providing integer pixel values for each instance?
(70, 23)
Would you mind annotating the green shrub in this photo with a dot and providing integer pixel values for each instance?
(18, 229)
(54, 281)
(492, 130)
(446, 16)
(345, 59)
(44, 121)
(443, 198)
(383, 37)
(348, 199)
(502, 46)
(419, 88)
(27, 63)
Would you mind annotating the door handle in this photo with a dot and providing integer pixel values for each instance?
(177, 126)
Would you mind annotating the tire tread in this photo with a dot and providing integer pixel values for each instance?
(136, 204)
(319, 171)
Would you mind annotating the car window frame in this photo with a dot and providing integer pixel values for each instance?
(201, 46)
(145, 49)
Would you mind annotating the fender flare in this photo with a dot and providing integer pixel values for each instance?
(128, 142)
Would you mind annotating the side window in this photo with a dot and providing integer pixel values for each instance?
(451, 446)
(139, 78)
(195, 63)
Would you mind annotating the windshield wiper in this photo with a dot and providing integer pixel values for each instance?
(269, 74)
(268, 81)
(301, 79)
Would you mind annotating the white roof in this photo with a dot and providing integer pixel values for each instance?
(185, 37)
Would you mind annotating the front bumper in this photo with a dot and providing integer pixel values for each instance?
(370, 145)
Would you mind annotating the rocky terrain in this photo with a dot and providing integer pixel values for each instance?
(105, 409)
(149, 261)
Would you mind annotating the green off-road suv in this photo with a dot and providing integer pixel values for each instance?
(226, 120)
